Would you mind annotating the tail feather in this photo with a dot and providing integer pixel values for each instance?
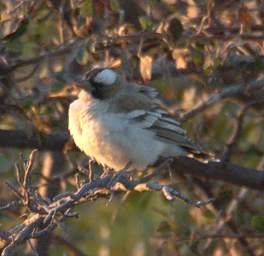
(202, 156)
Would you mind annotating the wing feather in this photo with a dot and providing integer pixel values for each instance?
(165, 129)
(169, 126)
(142, 106)
(178, 139)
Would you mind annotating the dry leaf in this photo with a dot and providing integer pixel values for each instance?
(146, 67)
(117, 63)
(245, 18)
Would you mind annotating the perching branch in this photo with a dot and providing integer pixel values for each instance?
(229, 172)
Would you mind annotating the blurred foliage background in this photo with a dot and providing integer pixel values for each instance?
(188, 50)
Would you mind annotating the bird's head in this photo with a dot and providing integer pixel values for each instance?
(101, 83)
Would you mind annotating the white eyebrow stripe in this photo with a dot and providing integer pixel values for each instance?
(107, 77)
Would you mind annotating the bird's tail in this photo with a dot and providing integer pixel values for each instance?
(197, 152)
(203, 156)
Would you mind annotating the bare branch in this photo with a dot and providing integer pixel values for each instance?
(43, 216)
(228, 92)
(41, 141)
(229, 172)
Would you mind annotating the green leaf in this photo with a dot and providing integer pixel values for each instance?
(57, 86)
(86, 8)
(2, 6)
(259, 64)
(145, 22)
(82, 56)
(164, 227)
(27, 104)
(21, 29)
(28, 49)
(209, 214)
(175, 28)
(257, 222)
(114, 5)
(197, 57)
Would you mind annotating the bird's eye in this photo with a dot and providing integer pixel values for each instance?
(105, 77)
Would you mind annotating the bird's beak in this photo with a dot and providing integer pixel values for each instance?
(84, 84)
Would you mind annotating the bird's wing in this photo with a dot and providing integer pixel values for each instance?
(143, 106)
(164, 127)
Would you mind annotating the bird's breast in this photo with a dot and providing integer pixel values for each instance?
(113, 140)
(101, 139)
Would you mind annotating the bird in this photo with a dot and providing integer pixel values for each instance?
(122, 124)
